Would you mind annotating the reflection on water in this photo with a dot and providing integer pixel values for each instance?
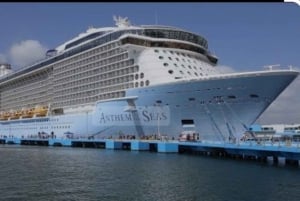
(58, 173)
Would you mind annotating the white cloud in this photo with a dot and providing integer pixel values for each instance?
(286, 108)
(26, 52)
(2, 58)
(225, 69)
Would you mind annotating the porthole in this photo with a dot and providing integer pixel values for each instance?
(136, 68)
(142, 83)
(232, 97)
(136, 76)
(181, 72)
(142, 75)
(166, 64)
(147, 82)
(170, 71)
(156, 51)
(175, 64)
(136, 84)
(253, 96)
(160, 57)
(170, 58)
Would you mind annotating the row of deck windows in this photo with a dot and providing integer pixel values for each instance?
(98, 86)
(93, 71)
(102, 79)
(62, 65)
(25, 81)
(13, 101)
(30, 90)
(89, 99)
(114, 55)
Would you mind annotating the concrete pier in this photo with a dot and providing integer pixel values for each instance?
(112, 144)
(137, 145)
(273, 154)
(13, 141)
(270, 160)
(59, 142)
(281, 161)
(167, 147)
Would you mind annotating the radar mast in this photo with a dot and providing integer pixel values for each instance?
(121, 21)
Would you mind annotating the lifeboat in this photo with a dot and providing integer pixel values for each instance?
(15, 114)
(27, 113)
(4, 116)
(41, 111)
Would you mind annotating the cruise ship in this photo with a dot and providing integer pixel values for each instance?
(147, 80)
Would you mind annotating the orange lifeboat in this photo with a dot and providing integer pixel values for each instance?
(4, 116)
(15, 114)
(27, 113)
(41, 111)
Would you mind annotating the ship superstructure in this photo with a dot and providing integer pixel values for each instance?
(156, 79)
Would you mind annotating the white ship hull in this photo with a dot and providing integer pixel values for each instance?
(217, 108)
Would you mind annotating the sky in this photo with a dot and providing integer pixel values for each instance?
(244, 36)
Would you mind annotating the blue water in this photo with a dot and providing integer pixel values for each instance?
(30, 173)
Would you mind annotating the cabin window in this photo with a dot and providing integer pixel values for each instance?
(253, 95)
(170, 71)
(147, 82)
(187, 121)
(231, 97)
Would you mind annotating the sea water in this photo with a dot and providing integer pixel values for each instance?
(29, 173)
